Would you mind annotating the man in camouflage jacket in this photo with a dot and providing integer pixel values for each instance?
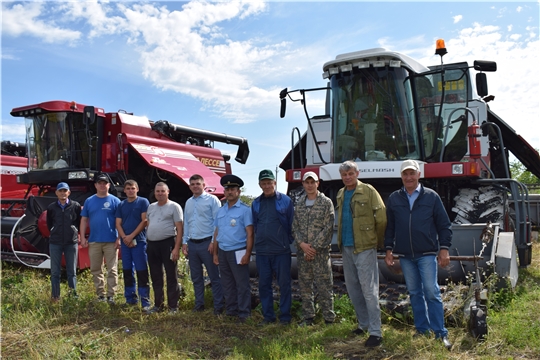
(312, 230)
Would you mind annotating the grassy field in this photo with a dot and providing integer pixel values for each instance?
(35, 328)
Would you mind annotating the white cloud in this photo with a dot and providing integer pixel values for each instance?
(515, 37)
(515, 84)
(186, 50)
(519, 8)
(23, 20)
(457, 18)
(12, 130)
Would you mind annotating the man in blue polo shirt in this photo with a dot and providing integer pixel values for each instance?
(100, 212)
(233, 242)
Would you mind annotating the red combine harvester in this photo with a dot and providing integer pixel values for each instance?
(71, 142)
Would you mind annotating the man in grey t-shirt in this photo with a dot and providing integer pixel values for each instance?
(165, 230)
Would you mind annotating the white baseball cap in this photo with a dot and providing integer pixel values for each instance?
(310, 174)
(410, 164)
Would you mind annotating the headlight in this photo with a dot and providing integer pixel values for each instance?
(457, 169)
(77, 175)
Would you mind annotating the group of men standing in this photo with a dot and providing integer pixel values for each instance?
(414, 225)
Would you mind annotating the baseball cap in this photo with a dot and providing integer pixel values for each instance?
(310, 174)
(410, 164)
(62, 186)
(101, 177)
(266, 174)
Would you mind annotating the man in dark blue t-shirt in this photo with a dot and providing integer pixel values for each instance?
(131, 226)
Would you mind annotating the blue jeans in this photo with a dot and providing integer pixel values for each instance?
(421, 279)
(267, 265)
(135, 258)
(198, 255)
(70, 254)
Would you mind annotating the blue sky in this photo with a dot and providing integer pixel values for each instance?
(220, 66)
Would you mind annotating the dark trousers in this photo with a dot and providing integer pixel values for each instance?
(235, 283)
(267, 266)
(199, 255)
(70, 255)
(159, 257)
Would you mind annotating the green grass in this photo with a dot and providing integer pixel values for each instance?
(35, 328)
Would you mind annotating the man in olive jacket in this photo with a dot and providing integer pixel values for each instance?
(361, 224)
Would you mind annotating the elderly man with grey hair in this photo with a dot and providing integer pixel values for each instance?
(361, 224)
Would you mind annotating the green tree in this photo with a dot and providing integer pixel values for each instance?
(521, 174)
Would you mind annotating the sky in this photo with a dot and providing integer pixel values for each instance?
(220, 66)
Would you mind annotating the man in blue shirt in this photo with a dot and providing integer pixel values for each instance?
(100, 212)
(233, 243)
(131, 226)
(273, 214)
(199, 216)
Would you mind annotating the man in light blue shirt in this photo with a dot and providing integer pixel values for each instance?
(233, 243)
(199, 216)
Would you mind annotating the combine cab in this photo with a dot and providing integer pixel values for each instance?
(71, 142)
(384, 107)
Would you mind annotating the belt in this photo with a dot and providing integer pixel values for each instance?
(198, 241)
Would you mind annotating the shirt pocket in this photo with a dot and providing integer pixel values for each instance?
(360, 208)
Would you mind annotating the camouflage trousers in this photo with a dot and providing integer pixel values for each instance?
(315, 276)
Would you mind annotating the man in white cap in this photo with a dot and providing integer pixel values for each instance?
(312, 229)
(419, 228)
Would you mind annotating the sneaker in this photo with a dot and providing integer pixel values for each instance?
(73, 294)
(446, 342)
(146, 309)
(173, 311)
(419, 334)
(373, 341)
(307, 322)
(358, 331)
(328, 322)
(198, 309)
(110, 300)
(285, 322)
(101, 299)
(153, 310)
(241, 320)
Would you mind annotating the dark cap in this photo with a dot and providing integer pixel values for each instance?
(62, 186)
(266, 174)
(231, 181)
(101, 177)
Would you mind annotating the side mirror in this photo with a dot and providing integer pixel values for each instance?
(89, 115)
(283, 98)
(483, 65)
(481, 84)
